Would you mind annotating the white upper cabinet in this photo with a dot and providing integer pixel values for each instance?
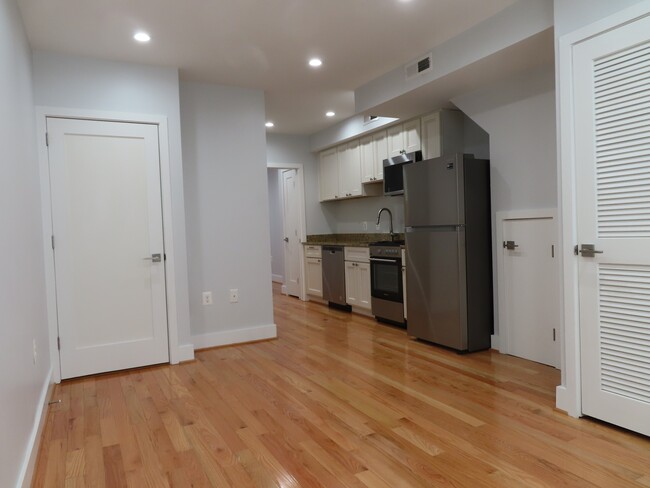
(411, 135)
(380, 148)
(374, 150)
(329, 175)
(349, 170)
(395, 140)
(404, 138)
(442, 133)
(367, 160)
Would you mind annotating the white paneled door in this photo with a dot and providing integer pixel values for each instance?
(291, 211)
(532, 297)
(108, 245)
(611, 86)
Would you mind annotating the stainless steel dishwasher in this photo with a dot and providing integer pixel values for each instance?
(334, 276)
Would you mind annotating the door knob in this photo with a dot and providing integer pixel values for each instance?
(286, 239)
(510, 245)
(155, 258)
(587, 250)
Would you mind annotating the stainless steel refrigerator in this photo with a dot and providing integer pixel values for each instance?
(448, 252)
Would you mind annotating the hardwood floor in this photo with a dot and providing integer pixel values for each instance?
(336, 401)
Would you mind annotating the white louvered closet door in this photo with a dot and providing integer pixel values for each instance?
(612, 126)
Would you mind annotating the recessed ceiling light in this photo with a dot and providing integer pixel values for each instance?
(315, 62)
(269, 124)
(330, 114)
(142, 37)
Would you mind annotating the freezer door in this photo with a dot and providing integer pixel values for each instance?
(433, 192)
(437, 299)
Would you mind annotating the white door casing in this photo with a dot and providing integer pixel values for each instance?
(107, 223)
(302, 229)
(529, 294)
(611, 90)
(291, 224)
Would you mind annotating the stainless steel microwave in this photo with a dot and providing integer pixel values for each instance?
(393, 172)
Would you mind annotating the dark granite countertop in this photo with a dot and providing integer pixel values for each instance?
(356, 240)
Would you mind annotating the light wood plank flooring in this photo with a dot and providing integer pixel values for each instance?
(336, 401)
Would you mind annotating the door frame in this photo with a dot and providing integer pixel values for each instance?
(300, 177)
(569, 393)
(42, 113)
(505, 327)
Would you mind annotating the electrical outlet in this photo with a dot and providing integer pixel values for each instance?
(207, 298)
(234, 295)
(364, 225)
(34, 350)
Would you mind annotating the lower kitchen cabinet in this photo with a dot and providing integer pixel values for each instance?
(314, 271)
(357, 284)
(357, 277)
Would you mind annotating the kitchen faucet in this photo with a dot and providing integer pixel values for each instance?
(390, 214)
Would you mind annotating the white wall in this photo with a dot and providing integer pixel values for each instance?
(570, 15)
(511, 25)
(276, 222)
(296, 149)
(519, 117)
(91, 84)
(360, 215)
(23, 312)
(224, 154)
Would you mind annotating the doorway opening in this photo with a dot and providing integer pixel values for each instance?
(287, 227)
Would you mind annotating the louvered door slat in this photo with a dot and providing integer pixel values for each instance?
(625, 328)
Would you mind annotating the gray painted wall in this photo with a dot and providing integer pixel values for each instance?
(22, 276)
(519, 117)
(276, 222)
(91, 84)
(295, 149)
(224, 154)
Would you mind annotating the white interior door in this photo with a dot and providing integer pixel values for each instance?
(291, 214)
(531, 279)
(107, 221)
(611, 86)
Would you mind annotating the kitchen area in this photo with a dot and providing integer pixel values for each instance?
(427, 267)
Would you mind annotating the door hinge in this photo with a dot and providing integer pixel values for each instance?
(58, 343)
(52, 242)
(553, 335)
(552, 250)
(47, 139)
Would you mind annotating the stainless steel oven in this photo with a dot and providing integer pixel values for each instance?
(386, 287)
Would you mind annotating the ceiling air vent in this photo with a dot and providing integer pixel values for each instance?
(418, 67)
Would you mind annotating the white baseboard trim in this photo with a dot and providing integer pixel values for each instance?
(185, 352)
(277, 278)
(495, 343)
(31, 452)
(236, 336)
(561, 400)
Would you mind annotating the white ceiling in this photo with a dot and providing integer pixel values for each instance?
(262, 44)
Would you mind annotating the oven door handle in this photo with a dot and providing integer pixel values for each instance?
(394, 261)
